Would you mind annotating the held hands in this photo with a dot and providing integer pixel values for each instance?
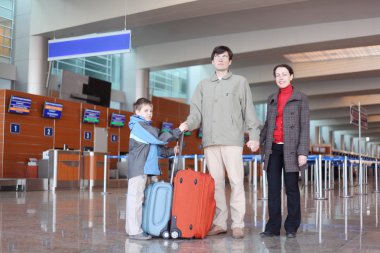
(302, 159)
(253, 145)
(184, 127)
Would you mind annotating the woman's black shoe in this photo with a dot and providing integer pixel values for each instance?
(291, 235)
(268, 234)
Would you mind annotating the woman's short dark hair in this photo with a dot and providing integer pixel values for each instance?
(221, 50)
(140, 102)
(283, 65)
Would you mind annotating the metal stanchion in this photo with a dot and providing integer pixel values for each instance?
(339, 168)
(306, 174)
(264, 183)
(326, 172)
(351, 174)
(329, 172)
(105, 176)
(376, 178)
(312, 179)
(360, 176)
(345, 186)
(318, 178)
(254, 184)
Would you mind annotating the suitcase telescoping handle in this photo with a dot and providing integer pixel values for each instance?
(176, 157)
(203, 163)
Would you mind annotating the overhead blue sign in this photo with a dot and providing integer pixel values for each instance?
(90, 45)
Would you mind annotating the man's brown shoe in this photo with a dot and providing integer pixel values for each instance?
(216, 230)
(237, 233)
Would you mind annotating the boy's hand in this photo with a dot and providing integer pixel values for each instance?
(176, 149)
(184, 127)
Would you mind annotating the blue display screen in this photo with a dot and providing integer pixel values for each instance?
(52, 110)
(166, 127)
(91, 116)
(117, 120)
(19, 105)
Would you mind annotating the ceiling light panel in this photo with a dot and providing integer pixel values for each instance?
(335, 54)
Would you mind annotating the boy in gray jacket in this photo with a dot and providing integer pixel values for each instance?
(146, 144)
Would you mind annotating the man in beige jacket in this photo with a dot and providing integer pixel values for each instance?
(222, 105)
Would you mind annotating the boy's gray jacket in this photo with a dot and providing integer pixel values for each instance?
(225, 110)
(296, 126)
(138, 151)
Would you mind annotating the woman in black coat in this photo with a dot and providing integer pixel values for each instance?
(285, 139)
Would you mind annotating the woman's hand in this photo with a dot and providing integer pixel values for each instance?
(302, 159)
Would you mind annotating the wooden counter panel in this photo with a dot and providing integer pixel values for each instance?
(13, 169)
(70, 137)
(68, 167)
(68, 172)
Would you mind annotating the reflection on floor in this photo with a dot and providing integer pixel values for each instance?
(83, 221)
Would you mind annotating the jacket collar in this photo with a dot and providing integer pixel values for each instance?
(296, 95)
(215, 78)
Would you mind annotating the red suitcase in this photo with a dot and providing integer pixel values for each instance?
(193, 205)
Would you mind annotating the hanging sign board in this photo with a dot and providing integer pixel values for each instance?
(354, 116)
(89, 45)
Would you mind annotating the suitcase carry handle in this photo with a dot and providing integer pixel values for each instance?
(176, 157)
(203, 163)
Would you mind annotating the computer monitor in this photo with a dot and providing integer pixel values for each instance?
(91, 116)
(19, 105)
(52, 110)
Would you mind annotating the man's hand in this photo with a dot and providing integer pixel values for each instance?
(302, 159)
(184, 127)
(253, 145)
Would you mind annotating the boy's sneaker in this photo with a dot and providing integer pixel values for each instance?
(141, 236)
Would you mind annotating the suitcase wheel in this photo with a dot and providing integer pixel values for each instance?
(166, 234)
(174, 234)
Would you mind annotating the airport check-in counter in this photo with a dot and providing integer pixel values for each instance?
(92, 172)
(64, 168)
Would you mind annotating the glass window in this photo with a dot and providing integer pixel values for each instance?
(6, 30)
(101, 67)
(261, 112)
(169, 83)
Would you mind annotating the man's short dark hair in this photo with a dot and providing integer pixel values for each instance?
(220, 50)
(283, 65)
(140, 102)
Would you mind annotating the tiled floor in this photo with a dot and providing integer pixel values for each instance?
(83, 221)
